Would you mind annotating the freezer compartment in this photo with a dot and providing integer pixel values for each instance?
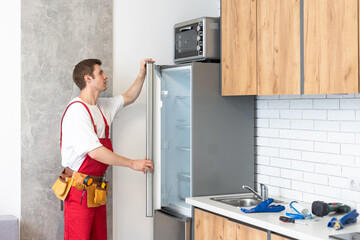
(169, 225)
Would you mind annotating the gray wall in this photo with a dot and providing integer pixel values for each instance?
(55, 36)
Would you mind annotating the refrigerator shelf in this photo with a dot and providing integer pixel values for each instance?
(183, 126)
(183, 149)
(182, 97)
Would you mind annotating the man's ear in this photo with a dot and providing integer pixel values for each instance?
(87, 78)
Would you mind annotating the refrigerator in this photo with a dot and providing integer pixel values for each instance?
(200, 142)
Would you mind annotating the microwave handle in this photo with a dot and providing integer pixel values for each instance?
(185, 29)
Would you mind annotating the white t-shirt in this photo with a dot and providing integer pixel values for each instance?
(78, 135)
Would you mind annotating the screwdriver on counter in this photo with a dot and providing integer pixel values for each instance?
(286, 219)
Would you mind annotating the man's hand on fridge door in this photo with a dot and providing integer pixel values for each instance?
(142, 165)
(143, 65)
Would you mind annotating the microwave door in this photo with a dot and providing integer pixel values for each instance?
(153, 105)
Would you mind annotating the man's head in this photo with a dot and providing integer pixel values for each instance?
(83, 68)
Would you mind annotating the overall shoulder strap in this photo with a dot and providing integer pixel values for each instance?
(92, 120)
(106, 124)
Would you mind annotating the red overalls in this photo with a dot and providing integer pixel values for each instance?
(81, 222)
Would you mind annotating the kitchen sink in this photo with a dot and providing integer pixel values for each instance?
(245, 200)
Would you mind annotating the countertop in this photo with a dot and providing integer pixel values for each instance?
(314, 230)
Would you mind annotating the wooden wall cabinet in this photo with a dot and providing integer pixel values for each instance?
(278, 47)
(331, 51)
(238, 48)
(260, 47)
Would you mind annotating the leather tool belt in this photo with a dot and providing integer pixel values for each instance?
(97, 189)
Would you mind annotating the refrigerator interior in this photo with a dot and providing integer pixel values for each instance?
(176, 138)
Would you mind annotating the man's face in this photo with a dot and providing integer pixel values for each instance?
(99, 79)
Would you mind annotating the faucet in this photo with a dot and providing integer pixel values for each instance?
(264, 191)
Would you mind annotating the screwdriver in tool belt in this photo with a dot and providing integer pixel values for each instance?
(286, 219)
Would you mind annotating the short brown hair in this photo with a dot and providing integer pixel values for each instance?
(85, 67)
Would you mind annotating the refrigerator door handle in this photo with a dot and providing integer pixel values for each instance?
(149, 136)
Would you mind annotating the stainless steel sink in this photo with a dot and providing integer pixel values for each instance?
(245, 200)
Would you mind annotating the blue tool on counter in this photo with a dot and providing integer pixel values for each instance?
(264, 207)
(301, 212)
(351, 217)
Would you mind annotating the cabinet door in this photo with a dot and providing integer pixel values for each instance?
(278, 237)
(208, 226)
(238, 231)
(331, 46)
(238, 47)
(278, 47)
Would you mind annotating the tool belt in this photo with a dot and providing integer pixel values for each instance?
(97, 189)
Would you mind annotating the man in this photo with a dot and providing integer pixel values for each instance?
(86, 147)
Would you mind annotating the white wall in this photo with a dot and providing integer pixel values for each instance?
(141, 29)
(10, 146)
(308, 146)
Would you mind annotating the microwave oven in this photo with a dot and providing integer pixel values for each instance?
(197, 40)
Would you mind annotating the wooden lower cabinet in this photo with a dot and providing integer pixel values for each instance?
(278, 237)
(208, 226)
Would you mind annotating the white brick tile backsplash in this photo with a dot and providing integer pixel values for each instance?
(340, 182)
(290, 96)
(327, 147)
(267, 151)
(332, 192)
(281, 143)
(314, 157)
(350, 195)
(262, 141)
(341, 115)
(330, 126)
(357, 162)
(290, 114)
(350, 103)
(350, 149)
(270, 171)
(337, 137)
(283, 104)
(279, 182)
(350, 172)
(340, 96)
(343, 160)
(271, 97)
(302, 145)
(279, 123)
(303, 186)
(316, 178)
(308, 145)
(350, 126)
(357, 138)
(261, 104)
(267, 132)
(280, 162)
(303, 166)
(315, 114)
(301, 104)
(302, 124)
(326, 104)
(292, 194)
(313, 96)
(262, 123)
(266, 113)
(263, 160)
(275, 191)
(291, 174)
(303, 135)
(290, 154)
(334, 170)
(262, 179)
